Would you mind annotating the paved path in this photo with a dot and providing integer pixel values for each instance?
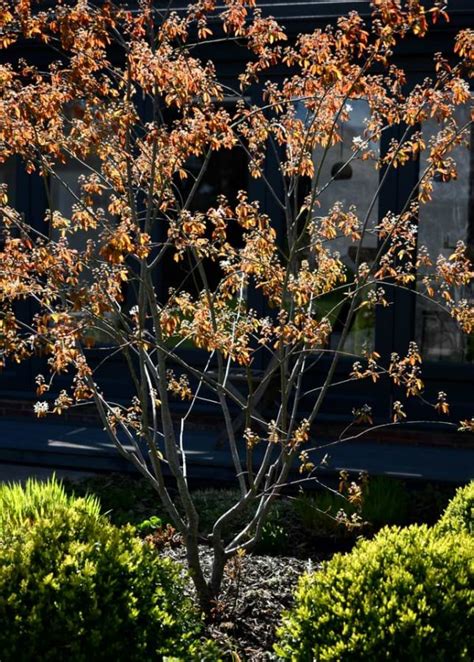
(88, 449)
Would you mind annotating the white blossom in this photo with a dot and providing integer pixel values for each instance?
(41, 408)
(358, 142)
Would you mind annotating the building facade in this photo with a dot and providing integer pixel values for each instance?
(448, 355)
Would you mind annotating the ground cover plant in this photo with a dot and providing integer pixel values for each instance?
(303, 524)
(144, 266)
(74, 586)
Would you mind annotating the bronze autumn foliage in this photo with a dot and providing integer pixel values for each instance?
(127, 95)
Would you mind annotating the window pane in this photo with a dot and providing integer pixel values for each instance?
(443, 221)
(65, 190)
(226, 174)
(355, 184)
(7, 176)
(65, 193)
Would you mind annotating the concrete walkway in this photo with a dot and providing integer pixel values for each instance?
(71, 449)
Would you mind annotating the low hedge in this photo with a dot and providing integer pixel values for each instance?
(408, 594)
(459, 514)
(73, 586)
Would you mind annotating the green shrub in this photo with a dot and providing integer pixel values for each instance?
(459, 514)
(23, 506)
(405, 595)
(150, 525)
(126, 499)
(73, 586)
(212, 503)
(277, 530)
(318, 512)
(385, 502)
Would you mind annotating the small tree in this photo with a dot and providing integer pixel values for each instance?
(128, 96)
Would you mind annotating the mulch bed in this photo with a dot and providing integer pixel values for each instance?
(256, 589)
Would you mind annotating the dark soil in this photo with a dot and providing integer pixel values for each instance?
(256, 589)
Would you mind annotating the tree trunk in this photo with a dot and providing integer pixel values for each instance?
(205, 595)
(207, 590)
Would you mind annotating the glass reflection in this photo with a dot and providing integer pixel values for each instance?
(443, 221)
(353, 184)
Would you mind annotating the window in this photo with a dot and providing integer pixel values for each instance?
(7, 177)
(354, 184)
(448, 217)
(64, 192)
(226, 174)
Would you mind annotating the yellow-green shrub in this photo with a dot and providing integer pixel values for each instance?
(72, 586)
(459, 514)
(405, 595)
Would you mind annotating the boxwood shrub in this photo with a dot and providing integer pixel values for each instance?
(75, 587)
(459, 514)
(405, 595)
